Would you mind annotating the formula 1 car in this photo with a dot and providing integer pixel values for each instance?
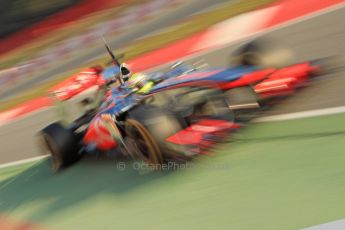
(143, 127)
(179, 118)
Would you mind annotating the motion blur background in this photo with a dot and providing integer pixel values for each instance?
(18, 14)
(43, 43)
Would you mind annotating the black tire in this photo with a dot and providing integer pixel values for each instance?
(159, 124)
(144, 145)
(262, 53)
(61, 144)
(244, 102)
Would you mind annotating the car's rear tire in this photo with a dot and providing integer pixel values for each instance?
(61, 144)
(262, 53)
(243, 102)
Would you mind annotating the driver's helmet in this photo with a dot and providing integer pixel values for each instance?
(138, 80)
(125, 72)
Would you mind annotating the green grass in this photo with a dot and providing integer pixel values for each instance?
(189, 27)
(279, 175)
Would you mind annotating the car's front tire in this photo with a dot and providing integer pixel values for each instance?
(159, 125)
(61, 144)
(143, 144)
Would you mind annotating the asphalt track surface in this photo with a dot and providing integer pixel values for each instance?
(310, 39)
(171, 18)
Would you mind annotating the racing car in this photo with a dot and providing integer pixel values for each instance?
(147, 127)
(179, 118)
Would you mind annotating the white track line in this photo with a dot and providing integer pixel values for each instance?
(334, 225)
(29, 160)
(304, 114)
